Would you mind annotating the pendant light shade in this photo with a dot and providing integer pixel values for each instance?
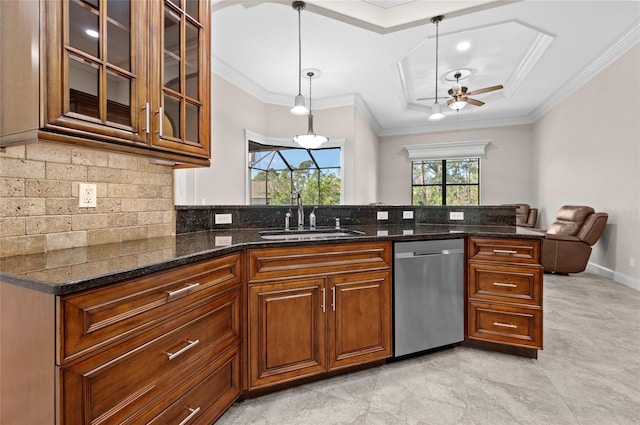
(436, 108)
(310, 140)
(299, 107)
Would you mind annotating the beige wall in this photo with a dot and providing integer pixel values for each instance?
(39, 198)
(505, 169)
(587, 151)
(234, 111)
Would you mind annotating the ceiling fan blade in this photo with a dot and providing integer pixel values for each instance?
(474, 102)
(486, 89)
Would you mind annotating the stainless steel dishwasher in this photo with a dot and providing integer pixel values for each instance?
(428, 295)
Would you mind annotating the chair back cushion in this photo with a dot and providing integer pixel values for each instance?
(593, 227)
(569, 220)
(522, 213)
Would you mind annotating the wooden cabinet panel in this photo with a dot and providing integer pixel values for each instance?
(360, 319)
(286, 331)
(490, 281)
(96, 318)
(505, 250)
(115, 383)
(317, 308)
(202, 399)
(272, 263)
(506, 324)
(504, 292)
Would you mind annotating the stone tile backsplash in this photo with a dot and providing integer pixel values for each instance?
(39, 198)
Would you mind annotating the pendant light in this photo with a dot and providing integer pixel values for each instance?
(436, 108)
(310, 140)
(299, 107)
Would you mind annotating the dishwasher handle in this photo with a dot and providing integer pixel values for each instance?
(415, 254)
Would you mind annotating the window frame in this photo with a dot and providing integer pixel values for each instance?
(254, 137)
(443, 183)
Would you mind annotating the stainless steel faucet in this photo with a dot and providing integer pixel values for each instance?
(298, 198)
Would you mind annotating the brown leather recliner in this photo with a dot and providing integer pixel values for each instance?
(567, 246)
(526, 216)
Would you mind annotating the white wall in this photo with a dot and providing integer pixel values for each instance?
(587, 152)
(234, 110)
(505, 170)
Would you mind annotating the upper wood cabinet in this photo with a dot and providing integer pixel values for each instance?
(126, 75)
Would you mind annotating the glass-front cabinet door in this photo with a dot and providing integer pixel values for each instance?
(96, 76)
(180, 105)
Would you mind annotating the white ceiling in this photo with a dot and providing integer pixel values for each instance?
(380, 55)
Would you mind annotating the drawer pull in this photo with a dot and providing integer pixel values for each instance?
(508, 285)
(182, 290)
(504, 251)
(192, 344)
(505, 325)
(191, 415)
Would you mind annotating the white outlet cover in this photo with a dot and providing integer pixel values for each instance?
(223, 219)
(87, 195)
(407, 215)
(456, 215)
(383, 215)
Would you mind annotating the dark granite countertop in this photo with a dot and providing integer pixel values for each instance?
(71, 270)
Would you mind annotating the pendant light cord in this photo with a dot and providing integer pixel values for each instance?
(299, 7)
(310, 74)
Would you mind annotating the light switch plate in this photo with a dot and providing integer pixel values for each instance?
(382, 215)
(456, 215)
(87, 195)
(407, 215)
(223, 219)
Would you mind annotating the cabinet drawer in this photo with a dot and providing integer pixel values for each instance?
(101, 316)
(201, 400)
(506, 324)
(114, 383)
(496, 282)
(505, 250)
(270, 263)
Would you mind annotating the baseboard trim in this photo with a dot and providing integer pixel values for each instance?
(615, 276)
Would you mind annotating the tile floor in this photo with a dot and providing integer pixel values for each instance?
(587, 374)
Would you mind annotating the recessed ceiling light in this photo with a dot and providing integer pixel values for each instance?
(463, 45)
(93, 33)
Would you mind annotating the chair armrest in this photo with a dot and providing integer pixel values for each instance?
(563, 238)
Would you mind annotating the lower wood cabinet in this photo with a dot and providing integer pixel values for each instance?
(305, 326)
(159, 348)
(504, 292)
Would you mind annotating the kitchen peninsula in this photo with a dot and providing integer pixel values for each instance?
(170, 327)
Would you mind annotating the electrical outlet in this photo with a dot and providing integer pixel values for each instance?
(223, 219)
(456, 215)
(382, 215)
(407, 215)
(87, 195)
(632, 261)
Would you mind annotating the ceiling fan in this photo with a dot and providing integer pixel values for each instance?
(459, 95)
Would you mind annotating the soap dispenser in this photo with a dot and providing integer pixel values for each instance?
(312, 219)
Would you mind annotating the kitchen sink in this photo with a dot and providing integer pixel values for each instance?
(296, 235)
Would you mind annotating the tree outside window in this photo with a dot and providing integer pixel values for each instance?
(446, 182)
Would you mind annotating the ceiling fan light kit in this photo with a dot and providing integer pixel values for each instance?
(299, 107)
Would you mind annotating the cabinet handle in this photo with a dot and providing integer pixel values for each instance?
(504, 251)
(333, 298)
(505, 325)
(191, 415)
(160, 117)
(146, 117)
(323, 300)
(508, 285)
(189, 346)
(181, 290)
